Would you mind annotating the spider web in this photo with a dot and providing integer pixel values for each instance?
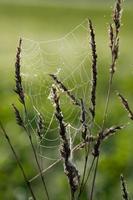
(69, 59)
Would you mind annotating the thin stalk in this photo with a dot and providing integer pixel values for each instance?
(41, 160)
(86, 147)
(94, 178)
(20, 92)
(84, 172)
(45, 170)
(76, 148)
(72, 195)
(18, 162)
(35, 155)
(107, 101)
(114, 46)
(84, 182)
(89, 172)
(34, 152)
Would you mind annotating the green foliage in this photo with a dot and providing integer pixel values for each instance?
(45, 22)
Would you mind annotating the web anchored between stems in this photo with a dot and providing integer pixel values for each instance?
(56, 82)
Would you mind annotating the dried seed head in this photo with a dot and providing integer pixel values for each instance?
(83, 112)
(126, 105)
(73, 176)
(116, 49)
(94, 69)
(83, 120)
(56, 103)
(18, 117)
(40, 124)
(111, 131)
(96, 148)
(65, 148)
(64, 89)
(114, 35)
(117, 15)
(53, 96)
(124, 188)
(104, 135)
(114, 45)
(19, 88)
(111, 36)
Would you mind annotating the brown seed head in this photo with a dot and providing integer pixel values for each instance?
(94, 69)
(19, 88)
(126, 106)
(124, 188)
(18, 117)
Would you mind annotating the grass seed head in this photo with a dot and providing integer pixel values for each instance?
(18, 80)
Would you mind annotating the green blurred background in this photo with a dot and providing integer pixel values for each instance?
(45, 20)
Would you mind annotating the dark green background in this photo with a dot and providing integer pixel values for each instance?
(44, 20)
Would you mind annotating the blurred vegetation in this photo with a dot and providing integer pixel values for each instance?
(44, 22)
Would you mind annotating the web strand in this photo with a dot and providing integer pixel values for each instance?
(67, 57)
